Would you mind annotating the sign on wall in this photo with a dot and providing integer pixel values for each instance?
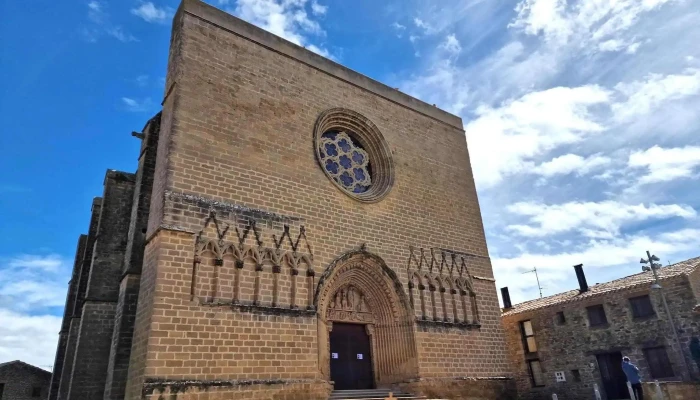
(559, 375)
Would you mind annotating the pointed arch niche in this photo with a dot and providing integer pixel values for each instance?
(359, 288)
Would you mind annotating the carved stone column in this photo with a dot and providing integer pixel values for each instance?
(276, 270)
(237, 282)
(310, 274)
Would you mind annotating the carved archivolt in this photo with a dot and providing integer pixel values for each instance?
(360, 288)
(252, 267)
(444, 287)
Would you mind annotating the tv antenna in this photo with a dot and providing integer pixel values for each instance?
(534, 269)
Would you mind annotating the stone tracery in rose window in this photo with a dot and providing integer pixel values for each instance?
(346, 162)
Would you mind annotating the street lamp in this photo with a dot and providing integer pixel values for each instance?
(651, 265)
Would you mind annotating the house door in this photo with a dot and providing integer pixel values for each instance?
(351, 363)
(614, 379)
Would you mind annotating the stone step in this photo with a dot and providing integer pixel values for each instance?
(371, 394)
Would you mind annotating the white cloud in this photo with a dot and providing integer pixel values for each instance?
(423, 25)
(398, 26)
(33, 281)
(591, 219)
(612, 45)
(118, 33)
(321, 51)
(632, 48)
(100, 24)
(285, 18)
(138, 105)
(666, 164)
(621, 253)
(584, 23)
(31, 287)
(552, 116)
(142, 80)
(569, 163)
(400, 29)
(130, 102)
(501, 77)
(318, 9)
(543, 16)
(49, 263)
(657, 89)
(35, 293)
(30, 338)
(529, 127)
(451, 45)
(149, 12)
(95, 12)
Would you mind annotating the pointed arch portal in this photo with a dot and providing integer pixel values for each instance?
(358, 288)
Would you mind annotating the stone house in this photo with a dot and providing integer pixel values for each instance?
(293, 227)
(571, 341)
(22, 381)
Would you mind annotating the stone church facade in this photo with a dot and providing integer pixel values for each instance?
(292, 226)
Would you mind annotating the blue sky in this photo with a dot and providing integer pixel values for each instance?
(581, 119)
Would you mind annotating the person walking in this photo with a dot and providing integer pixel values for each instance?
(632, 373)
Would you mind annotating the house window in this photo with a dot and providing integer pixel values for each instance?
(528, 337)
(36, 391)
(596, 315)
(659, 364)
(576, 374)
(561, 319)
(536, 376)
(641, 307)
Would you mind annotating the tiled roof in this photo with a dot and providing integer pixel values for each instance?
(22, 364)
(644, 278)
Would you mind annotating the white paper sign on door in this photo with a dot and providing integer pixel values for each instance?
(359, 356)
(334, 355)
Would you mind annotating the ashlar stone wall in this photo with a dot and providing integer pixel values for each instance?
(236, 151)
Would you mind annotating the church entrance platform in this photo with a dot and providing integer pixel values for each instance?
(373, 394)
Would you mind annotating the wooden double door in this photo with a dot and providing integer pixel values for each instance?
(351, 358)
(614, 379)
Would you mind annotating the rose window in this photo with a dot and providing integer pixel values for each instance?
(353, 154)
(345, 161)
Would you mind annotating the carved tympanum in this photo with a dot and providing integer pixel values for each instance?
(348, 304)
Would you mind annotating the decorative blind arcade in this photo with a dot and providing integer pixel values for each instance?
(345, 161)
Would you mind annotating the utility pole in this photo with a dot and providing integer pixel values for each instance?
(534, 269)
(657, 286)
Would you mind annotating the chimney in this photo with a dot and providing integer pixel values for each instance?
(583, 285)
(506, 298)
